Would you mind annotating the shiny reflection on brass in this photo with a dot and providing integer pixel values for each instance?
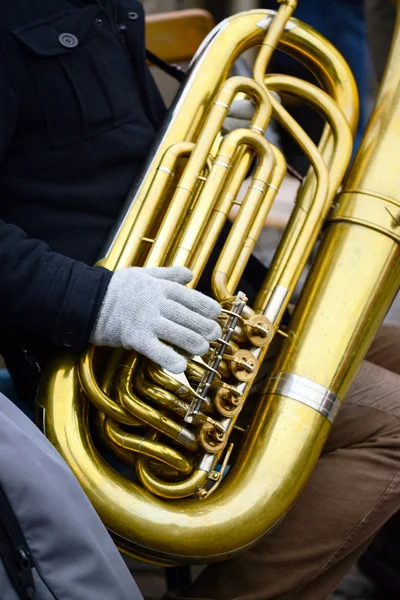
(211, 440)
(174, 215)
(149, 448)
(244, 365)
(259, 330)
(227, 403)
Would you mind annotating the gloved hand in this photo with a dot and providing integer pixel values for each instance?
(241, 113)
(150, 310)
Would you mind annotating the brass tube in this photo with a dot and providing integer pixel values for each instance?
(126, 457)
(339, 154)
(310, 210)
(146, 413)
(237, 514)
(178, 403)
(114, 358)
(219, 175)
(96, 395)
(271, 468)
(144, 447)
(220, 215)
(168, 489)
(197, 162)
(256, 195)
(297, 238)
(298, 39)
(155, 393)
(242, 258)
(110, 365)
(163, 471)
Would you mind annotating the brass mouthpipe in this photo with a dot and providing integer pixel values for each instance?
(272, 38)
(145, 447)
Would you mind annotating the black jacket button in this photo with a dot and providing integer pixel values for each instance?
(132, 16)
(68, 40)
(69, 339)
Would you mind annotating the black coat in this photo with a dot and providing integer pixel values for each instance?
(78, 114)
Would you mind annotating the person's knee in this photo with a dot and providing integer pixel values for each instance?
(371, 411)
(385, 349)
(377, 388)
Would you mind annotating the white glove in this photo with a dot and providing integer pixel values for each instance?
(145, 307)
(241, 113)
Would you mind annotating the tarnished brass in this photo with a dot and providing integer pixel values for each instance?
(243, 365)
(184, 505)
(227, 403)
(259, 330)
(211, 440)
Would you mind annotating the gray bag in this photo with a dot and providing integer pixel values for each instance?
(52, 543)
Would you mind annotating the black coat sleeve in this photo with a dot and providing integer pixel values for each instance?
(42, 293)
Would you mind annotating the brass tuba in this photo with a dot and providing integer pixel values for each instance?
(209, 465)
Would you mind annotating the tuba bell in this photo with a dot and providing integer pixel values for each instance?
(195, 468)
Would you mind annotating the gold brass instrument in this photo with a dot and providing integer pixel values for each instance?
(178, 502)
